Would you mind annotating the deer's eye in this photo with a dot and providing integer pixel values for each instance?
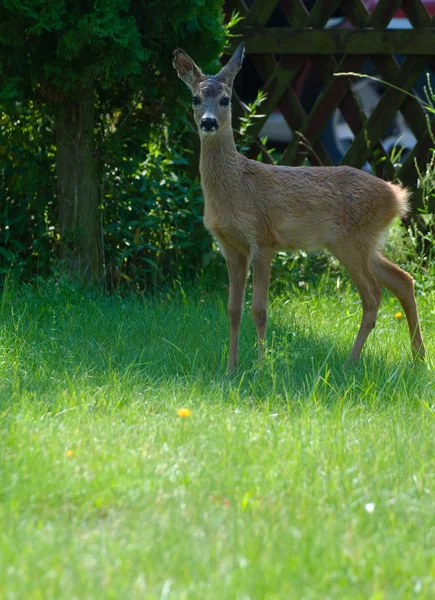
(196, 101)
(225, 101)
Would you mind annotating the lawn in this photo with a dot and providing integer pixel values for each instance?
(298, 480)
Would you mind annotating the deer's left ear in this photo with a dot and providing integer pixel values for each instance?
(233, 66)
(186, 69)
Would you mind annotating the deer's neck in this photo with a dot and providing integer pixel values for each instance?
(219, 163)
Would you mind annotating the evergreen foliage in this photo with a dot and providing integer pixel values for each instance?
(51, 55)
(52, 48)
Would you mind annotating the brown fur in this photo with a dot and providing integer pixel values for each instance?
(255, 209)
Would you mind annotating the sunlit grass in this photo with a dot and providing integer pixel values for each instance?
(131, 467)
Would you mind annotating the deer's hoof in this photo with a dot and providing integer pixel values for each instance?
(231, 370)
(419, 354)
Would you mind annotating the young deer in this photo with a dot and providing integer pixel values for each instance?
(254, 209)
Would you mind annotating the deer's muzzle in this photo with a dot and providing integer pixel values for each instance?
(209, 125)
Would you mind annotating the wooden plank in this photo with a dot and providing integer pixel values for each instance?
(239, 111)
(316, 18)
(420, 153)
(384, 62)
(298, 16)
(411, 109)
(408, 175)
(355, 12)
(388, 69)
(279, 80)
(277, 83)
(325, 105)
(282, 40)
(289, 104)
(356, 119)
(234, 5)
(260, 11)
(384, 112)
(337, 88)
(321, 12)
(416, 13)
(294, 11)
(357, 122)
(387, 66)
(264, 64)
(384, 11)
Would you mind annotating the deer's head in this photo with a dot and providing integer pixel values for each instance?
(211, 93)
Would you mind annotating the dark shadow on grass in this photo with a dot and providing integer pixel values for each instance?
(300, 369)
(63, 337)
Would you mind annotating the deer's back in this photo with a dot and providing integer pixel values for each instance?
(297, 207)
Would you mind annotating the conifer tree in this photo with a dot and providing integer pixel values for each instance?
(80, 58)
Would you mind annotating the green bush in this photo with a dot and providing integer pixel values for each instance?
(153, 229)
(27, 191)
(151, 211)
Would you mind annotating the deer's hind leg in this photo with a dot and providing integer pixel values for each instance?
(401, 284)
(261, 264)
(359, 268)
(237, 265)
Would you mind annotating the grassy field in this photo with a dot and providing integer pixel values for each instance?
(295, 481)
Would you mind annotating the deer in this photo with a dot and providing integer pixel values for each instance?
(254, 209)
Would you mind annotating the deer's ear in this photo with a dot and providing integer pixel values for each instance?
(233, 66)
(186, 68)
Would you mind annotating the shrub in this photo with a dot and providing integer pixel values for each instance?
(27, 191)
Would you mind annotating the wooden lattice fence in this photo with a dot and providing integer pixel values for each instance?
(279, 53)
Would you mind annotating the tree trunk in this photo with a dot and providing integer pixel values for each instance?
(78, 189)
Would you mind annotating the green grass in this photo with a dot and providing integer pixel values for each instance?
(298, 480)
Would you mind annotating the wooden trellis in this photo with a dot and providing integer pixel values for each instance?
(279, 53)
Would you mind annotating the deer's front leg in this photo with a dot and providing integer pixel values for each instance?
(237, 266)
(261, 264)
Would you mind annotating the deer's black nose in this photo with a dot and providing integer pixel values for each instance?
(209, 124)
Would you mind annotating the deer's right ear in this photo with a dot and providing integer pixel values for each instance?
(186, 68)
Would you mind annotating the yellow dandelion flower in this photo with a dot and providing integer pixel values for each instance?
(398, 315)
(69, 454)
(183, 412)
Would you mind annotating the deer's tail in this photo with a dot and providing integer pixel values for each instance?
(402, 196)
